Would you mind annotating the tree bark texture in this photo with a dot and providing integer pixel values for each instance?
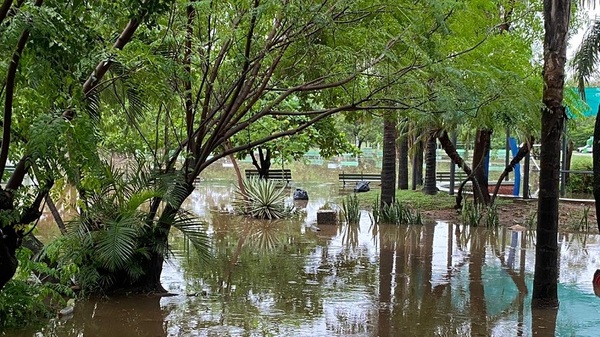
(417, 167)
(403, 162)
(388, 165)
(430, 187)
(480, 152)
(545, 281)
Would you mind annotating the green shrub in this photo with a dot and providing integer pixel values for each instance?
(25, 299)
(581, 183)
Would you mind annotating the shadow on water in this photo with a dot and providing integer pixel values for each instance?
(286, 278)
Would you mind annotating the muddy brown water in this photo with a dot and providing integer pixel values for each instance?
(284, 278)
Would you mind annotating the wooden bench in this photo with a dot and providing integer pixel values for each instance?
(445, 176)
(356, 177)
(283, 175)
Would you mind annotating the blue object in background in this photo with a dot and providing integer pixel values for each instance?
(517, 171)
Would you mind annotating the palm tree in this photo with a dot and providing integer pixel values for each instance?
(112, 240)
(429, 187)
(556, 22)
(403, 156)
(388, 164)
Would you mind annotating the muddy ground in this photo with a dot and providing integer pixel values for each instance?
(574, 216)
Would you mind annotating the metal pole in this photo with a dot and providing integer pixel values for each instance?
(507, 154)
(452, 168)
(526, 175)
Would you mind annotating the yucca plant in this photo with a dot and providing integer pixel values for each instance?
(262, 199)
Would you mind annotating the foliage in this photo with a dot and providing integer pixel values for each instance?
(581, 183)
(473, 214)
(26, 298)
(351, 209)
(112, 240)
(580, 130)
(396, 213)
(262, 199)
(581, 221)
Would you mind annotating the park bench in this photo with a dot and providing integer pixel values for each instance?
(445, 176)
(356, 177)
(283, 175)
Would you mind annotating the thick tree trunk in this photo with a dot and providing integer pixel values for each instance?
(403, 161)
(9, 241)
(430, 187)
(556, 23)
(480, 152)
(388, 166)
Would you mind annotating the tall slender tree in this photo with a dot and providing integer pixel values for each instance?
(556, 23)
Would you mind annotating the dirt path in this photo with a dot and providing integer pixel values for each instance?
(572, 215)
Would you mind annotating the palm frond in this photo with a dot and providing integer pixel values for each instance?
(117, 244)
(194, 231)
(586, 58)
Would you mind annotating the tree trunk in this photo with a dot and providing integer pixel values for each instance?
(596, 167)
(403, 161)
(556, 24)
(263, 164)
(403, 164)
(9, 241)
(480, 152)
(417, 168)
(570, 147)
(430, 187)
(388, 165)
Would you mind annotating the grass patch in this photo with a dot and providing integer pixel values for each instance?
(414, 199)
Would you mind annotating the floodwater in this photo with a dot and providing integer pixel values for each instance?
(284, 278)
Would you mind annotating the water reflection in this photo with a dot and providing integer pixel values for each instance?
(284, 279)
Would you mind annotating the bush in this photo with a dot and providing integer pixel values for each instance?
(25, 299)
(581, 183)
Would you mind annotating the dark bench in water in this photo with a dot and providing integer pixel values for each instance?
(283, 175)
(356, 177)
